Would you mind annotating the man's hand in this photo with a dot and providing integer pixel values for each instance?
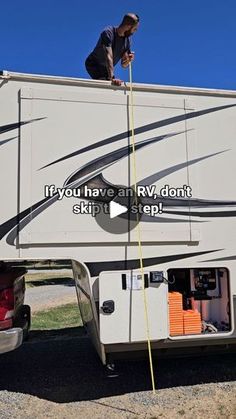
(127, 58)
(117, 82)
(131, 56)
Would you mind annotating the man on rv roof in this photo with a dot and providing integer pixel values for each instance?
(113, 45)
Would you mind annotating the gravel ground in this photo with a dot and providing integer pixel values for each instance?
(58, 375)
(46, 296)
(211, 401)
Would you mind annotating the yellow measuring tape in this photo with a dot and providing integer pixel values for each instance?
(131, 108)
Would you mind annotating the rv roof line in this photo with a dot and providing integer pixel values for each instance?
(106, 84)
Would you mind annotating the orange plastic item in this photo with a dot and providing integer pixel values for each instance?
(182, 322)
(176, 323)
(192, 322)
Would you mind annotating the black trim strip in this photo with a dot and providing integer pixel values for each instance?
(221, 259)
(139, 130)
(10, 127)
(6, 141)
(114, 156)
(205, 214)
(101, 182)
(121, 265)
(12, 222)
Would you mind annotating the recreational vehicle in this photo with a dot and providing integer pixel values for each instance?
(75, 186)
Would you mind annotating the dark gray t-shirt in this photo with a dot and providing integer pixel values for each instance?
(110, 38)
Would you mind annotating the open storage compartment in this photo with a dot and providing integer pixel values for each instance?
(199, 302)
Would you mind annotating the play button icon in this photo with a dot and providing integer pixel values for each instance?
(119, 219)
(116, 209)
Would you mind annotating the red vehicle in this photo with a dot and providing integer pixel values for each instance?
(14, 315)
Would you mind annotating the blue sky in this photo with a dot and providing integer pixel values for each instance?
(179, 42)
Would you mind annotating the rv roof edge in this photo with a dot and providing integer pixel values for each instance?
(107, 84)
(4, 74)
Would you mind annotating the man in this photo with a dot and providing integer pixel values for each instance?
(113, 45)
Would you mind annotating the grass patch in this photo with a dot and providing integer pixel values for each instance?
(49, 278)
(60, 317)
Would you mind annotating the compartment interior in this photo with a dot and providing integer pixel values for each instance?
(199, 301)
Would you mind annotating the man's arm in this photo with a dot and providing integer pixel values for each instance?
(109, 60)
(110, 67)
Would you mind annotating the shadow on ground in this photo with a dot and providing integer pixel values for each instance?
(62, 366)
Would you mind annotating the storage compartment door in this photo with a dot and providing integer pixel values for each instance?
(122, 311)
